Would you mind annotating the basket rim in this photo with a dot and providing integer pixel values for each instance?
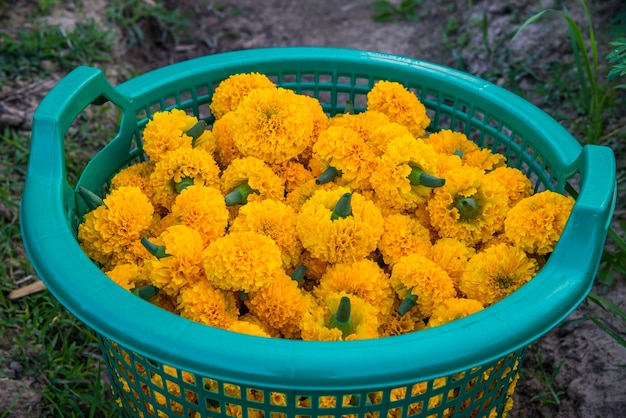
(480, 338)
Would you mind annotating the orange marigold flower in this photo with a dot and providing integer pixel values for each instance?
(315, 269)
(363, 123)
(453, 309)
(180, 168)
(417, 276)
(299, 195)
(344, 239)
(396, 324)
(390, 180)
(125, 275)
(452, 255)
(249, 328)
(496, 272)
(363, 278)
(450, 142)
(207, 141)
(277, 221)
(536, 223)
(257, 174)
(202, 208)
(382, 135)
(403, 235)
(229, 92)
(242, 261)
(253, 319)
(400, 105)
(293, 173)
(225, 151)
(166, 131)
(281, 304)
(516, 184)
(272, 124)
(137, 175)
(468, 207)
(201, 302)
(343, 149)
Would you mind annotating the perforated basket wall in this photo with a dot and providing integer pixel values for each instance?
(163, 365)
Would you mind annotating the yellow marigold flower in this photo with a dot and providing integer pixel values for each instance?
(468, 207)
(202, 208)
(315, 269)
(183, 262)
(396, 324)
(125, 275)
(166, 131)
(390, 180)
(272, 124)
(453, 309)
(242, 261)
(450, 142)
(207, 141)
(403, 235)
(249, 328)
(253, 319)
(496, 272)
(90, 238)
(225, 151)
(180, 168)
(316, 322)
(229, 92)
(281, 304)
(382, 135)
(363, 278)
(277, 221)
(134, 253)
(293, 173)
(344, 239)
(343, 149)
(536, 223)
(257, 174)
(201, 302)
(515, 182)
(485, 159)
(415, 275)
(452, 255)
(400, 105)
(299, 195)
(364, 123)
(137, 175)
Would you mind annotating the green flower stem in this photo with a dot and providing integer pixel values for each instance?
(145, 292)
(183, 184)
(349, 109)
(156, 250)
(343, 208)
(298, 274)
(239, 195)
(91, 199)
(467, 207)
(409, 301)
(328, 175)
(417, 177)
(196, 131)
(342, 320)
(459, 153)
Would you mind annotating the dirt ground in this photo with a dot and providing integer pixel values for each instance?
(590, 381)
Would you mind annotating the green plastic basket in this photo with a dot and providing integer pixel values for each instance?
(164, 365)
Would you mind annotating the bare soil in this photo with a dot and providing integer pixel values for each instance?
(590, 380)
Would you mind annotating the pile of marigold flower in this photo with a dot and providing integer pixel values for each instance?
(281, 221)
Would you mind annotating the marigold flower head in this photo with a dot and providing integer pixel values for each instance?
(249, 328)
(343, 149)
(363, 123)
(207, 141)
(417, 275)
(536, 223)
(496, 272)
(453, 309)
(315, 269)
(125, 275)
(340, 240)
(272, 124)
(396, 324)
(242, 261)
(276, 220)
(293, 173)
(514, 181)
(468, 207)
(179, 167)
(363, 278)
(382, 135)
(450, 142)
(137, 175)
(400, 105)
(452, 255)
(225, 149)
(202, 208)
(166, 131)
(257, 174)
(202, 302)
(229, 92)
(300, 194)
(403, 235)
(253, 319)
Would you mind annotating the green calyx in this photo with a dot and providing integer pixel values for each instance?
(239, 195)
(328, 175)
(468, 207)
(298, 274)
(196, 131)
(407, 303)
(156, 250)
(91, 199)
(343, 208)
(459, 153)
(145, 292)
(417, 177)
(342, 320)
(349, 109)
(183, 184)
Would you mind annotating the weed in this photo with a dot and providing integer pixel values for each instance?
(407, 10)
(552, 395)
(614, 311)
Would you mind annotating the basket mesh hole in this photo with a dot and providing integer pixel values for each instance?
(255, 395)
(459, 126)
(351, 400)
(232, 391)
(445, 122)
(278, 398)
(303, 401)
(453, 393)
(342, 100)
(191, 397)
(362, 81)
(344, 79)
(233, 410)
(397, 394)
(434, 401)
(154, 108)
(375, 398)
(325, 78)
(480, 394)
(324, 98)
(309, 93)
(360, 102)
(415, 408)
(212, 404)
(288, 78)
(278, 415)
(327, 402)
(255, 413)
(210, 385)
(177, 408)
